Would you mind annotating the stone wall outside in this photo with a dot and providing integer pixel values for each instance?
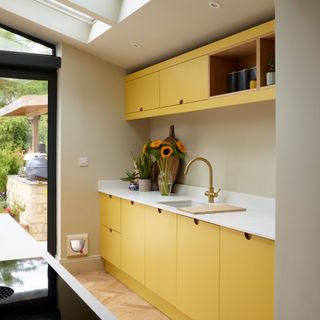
(32, 195)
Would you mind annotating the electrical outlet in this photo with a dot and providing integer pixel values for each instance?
(77, 245)
(83, 162)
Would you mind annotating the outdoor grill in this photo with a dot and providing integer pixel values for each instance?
(36, 168)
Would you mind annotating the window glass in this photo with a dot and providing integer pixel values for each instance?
(10, 41)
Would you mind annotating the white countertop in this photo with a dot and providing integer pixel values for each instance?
(16, 243)
(258, 219)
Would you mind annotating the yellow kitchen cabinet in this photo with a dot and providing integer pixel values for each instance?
(161, 253)
(110, 211)
(247, 276)
(185, 82)
(132, 239)
(142, 93)
(110, 245)
(198, 269)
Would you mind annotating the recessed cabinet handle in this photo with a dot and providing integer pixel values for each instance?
(132, 202)
(110, 196)
(110, 229)
(181, 101)
(159, 210)
(141, 109)
(248, 236)
(196, 221)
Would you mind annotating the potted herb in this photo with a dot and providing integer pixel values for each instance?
(144, 166)
(131, 177)
(271, 71)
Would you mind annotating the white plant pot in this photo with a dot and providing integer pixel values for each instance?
(271, 78)
(144, 185)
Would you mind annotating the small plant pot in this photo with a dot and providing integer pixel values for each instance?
(133, 186)
(144, 185)
(270, 78)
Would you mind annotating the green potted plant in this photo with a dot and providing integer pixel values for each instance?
(144, 166)
(271, 71)
(131, 177)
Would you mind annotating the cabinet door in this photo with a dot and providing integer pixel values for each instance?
(132, 239)
(110, 211)
(161, 253)
(185, 82)
(142, 93)
(198, 269)
(247, 276)
(110, 245)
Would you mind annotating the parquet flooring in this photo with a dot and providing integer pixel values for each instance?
(121, 301)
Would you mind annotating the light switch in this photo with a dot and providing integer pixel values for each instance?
(83, 162)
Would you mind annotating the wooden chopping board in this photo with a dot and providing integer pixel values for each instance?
(213, 208)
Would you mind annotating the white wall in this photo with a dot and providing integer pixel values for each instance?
(298, 160)
(91, 124)
(239, 141)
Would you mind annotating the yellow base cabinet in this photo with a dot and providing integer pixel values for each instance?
(198, 269)
(110, 211)
(247, 276)
(110, 245)
(110, 228)
(161, 253)
(132, 239)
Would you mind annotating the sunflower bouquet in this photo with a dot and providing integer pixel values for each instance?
(163, 153)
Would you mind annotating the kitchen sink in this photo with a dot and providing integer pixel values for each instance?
(183, 203)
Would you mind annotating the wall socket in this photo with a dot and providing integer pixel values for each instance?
(77, 244)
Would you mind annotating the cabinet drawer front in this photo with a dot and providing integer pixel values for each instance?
(132, 239)
(185, 82)
(142, 93)
(110, 245)
(247, 276)
(198, 269)
(110, 211)
(161, 253)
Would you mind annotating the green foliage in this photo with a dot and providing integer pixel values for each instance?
(9, 164)
(12, 89)
(144, 165)
(14, 133)
(130, 176)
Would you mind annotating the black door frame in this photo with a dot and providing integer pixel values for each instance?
(40, 67)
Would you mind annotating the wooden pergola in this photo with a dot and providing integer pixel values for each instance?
(32, 106)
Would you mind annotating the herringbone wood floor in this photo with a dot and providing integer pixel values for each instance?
(121, 301)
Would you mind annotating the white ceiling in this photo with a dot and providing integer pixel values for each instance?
(164, 28)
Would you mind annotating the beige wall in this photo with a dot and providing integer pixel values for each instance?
(91, 124)
(239, 141)
(298, 160)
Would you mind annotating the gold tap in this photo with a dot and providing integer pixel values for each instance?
(211, 194)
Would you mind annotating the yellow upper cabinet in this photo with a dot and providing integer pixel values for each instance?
(185, 82)
(198, 269)
(201, 79)
(142, 93)
(161, 253)
(246, 276)
(132, 239)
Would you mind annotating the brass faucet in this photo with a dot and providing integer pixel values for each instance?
(211, 194)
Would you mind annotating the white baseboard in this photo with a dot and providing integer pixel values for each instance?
(83, 264)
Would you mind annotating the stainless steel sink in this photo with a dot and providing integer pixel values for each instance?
(183, 203)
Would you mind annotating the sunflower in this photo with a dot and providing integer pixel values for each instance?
(181, 147)
(166, 151)
(156, 144)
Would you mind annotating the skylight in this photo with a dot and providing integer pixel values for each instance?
(68, 11)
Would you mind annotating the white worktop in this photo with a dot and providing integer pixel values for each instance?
(16, 243)
(258, 219)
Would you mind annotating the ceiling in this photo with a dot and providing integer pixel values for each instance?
(163, 28)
